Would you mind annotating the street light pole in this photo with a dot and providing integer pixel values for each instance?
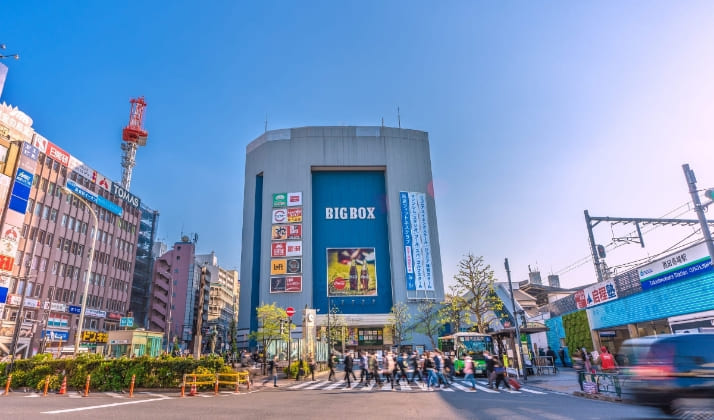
(515, 318)
(89, 270)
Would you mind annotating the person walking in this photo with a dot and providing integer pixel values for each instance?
(364, 368)
(300, 370)
(402, 367)
(429, 366)
(449, 367)
(311, 364)
(388, 369)
(331, 365)
(490, 365)
(348, 369)
(274, 370)
(414, 366)
(500, 373)
(469, 371)
(439, 368)
(374, 369)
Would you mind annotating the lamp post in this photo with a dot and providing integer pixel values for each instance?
(89, 269)
(515, 318)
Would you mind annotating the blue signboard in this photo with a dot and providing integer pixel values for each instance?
(75, 309)
(126, 322)
(3, 294)
(23, 177)
(407, 238)
(93, 198)
(57, 335)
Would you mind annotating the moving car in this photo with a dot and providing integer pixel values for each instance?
(671, 371)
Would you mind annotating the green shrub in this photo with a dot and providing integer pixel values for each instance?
(577, 331)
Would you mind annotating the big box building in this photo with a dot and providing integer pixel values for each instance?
(340, 217)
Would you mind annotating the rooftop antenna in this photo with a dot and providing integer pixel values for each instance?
(266, 123)
(382, 121)
(399, 118)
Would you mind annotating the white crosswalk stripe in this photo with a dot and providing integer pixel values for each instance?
(456, 386)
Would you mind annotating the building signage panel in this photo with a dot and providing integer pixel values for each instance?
(279, 232)
(57, 154)
(129, 322)
(686, 264)
(293, 248)
(350, 213)
(277, 284)
(82, 169)
(3, 294)
(370, 337)
(102, 181)
(6, 263)
(277, 249)
(96, 199)
(125, 195)
(29, 302)
(417, 245)
(294, 231)
(24, 178)
(56, 335)
(278, 267)
(113, 315)
(40, 142)
(75, 309)
(95, 313)
(596, 294)
(54, 306)
(295, 215)
(280, 216)
(9, 240)
(293, 284)
(351, 272)
(30, 151)
(294, 199)
(18, 122)
(294, 265)
(280, 200)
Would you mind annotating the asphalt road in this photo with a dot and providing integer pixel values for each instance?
(320, 403)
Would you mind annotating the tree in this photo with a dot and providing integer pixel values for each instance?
(474, 286)
(451, 311)
(335, 327)
(427, 321)
(399, 322)
(270, 318)
(232, 330)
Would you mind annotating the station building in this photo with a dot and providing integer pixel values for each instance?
(339, 218)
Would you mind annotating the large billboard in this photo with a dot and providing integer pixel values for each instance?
(685, 264)
(417, 246)
(351, 272)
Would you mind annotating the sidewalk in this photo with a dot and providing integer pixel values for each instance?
(566, 381)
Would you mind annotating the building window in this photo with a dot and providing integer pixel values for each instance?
(64, 220)
(43, 264)
(53, 215)
(55, 266)
(38, 209)
(30, 205)
(25, 228)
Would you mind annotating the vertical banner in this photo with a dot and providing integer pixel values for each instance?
(417, 245)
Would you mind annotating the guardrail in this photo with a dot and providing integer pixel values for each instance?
(604, 383)
(216, 379)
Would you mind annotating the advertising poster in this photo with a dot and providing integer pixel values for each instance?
(294, 265)
(277, 249)
(277, 284)
(279, 233)
(294, 199)
(294, 231)
(293, 284)
(293, 248)
(351, 272)
(295, 215)
(9, 240)
(417, 246)
(280, 216)
(280, 200)
(278, 267)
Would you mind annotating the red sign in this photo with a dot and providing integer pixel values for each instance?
(113, 315)
(580, 300)
(295, 215)
(290, 311)
(293, 284)
(294, 231)
(277, 249)
(57, 154)
(6, 262)
(339, 283)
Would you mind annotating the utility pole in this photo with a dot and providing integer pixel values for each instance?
(593, 249)
(515, 318)
(692, 183)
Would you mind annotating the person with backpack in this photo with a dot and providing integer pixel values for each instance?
(500, 373)
(469, 371)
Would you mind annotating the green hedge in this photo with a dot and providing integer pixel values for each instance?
(577, 331)
(108, 374)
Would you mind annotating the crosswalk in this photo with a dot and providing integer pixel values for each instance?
(456, 386)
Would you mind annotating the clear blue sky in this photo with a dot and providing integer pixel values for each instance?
(535, 110)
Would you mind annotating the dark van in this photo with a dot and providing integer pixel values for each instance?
(669, 370)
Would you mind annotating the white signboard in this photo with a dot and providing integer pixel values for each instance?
(293, 248)
(417, 244)
(294, 199)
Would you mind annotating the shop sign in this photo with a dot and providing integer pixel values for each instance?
(295, 215)
(124, 194)
(29, 302)
(279, 232)
(56, 335)
(294, 199)
(349, 213)
(57, 154)
(278, 267)
(9, 240)
(6, 263)
(94, 337)
(293, 284)
(55, 307)
(95, 313)
(294, 231)
(691, 262)
(596, 294)
(370, 337)
(30, 151)
(75, 309)
(279, 216)
(277, 249)
(293, 248)
(294, 265)
(280, 200)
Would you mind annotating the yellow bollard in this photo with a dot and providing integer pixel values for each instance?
(131, 387)
(7, 384)
(47, 385)
(86, 386)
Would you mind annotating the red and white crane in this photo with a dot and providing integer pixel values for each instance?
(133, 136)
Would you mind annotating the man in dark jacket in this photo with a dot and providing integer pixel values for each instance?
(348, 369)
(331, 365)
(490, 364)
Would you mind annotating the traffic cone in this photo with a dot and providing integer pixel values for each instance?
(63, 388)
(193, 392)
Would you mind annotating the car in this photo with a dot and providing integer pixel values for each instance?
(671, 371)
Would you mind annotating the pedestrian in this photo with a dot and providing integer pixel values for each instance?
(490, 366)
(374, 369)
(561, 352)
(348, 369)
(439, 368)
(429, 366)
(274, 370)
(364, 369)
(414, 366)
(449, 367)
(300, 370)
(607, 361)
(388, 369)
(402, 367)
(550, 353)
(469, 371)
(331, 365)
(500, 372)
(311, 364)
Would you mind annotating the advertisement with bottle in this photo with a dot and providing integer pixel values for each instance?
(351, 272)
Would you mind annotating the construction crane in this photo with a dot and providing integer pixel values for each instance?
(133, 136)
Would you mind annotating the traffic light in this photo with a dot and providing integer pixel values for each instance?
(709, 194)
(601, 251)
